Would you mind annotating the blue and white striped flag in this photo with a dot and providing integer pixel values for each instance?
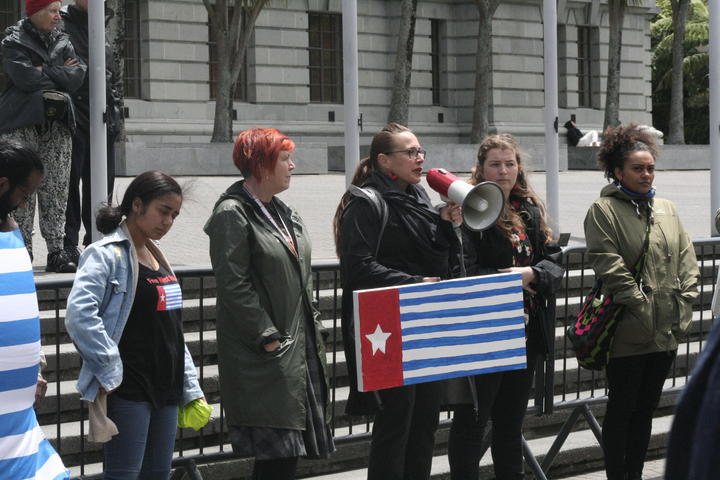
(434, 331)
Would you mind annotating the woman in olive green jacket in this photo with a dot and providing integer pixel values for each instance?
(658, 308)
(270, 343)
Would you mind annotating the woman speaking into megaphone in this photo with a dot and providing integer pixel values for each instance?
(518, 242)
(388, 233)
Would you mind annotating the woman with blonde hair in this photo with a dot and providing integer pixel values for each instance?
(520, 242)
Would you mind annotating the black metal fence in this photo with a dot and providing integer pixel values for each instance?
(560, 384)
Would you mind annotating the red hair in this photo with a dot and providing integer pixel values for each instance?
(258, 149)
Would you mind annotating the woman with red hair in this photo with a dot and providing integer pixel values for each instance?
(270, 344)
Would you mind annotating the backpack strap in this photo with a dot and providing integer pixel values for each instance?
(379, 206)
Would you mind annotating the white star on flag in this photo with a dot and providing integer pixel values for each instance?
(378, 339)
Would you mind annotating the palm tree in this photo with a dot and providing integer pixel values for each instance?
(616, 10)
(483, 75)
(676, 132)
(233, 23)
(680, 73)
(399, 104)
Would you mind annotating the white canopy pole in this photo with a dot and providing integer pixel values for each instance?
(351, 113)
(98, 132)
(552, 149)
(714, 112)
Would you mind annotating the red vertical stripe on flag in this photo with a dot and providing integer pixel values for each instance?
(162, 298)
(380, 309)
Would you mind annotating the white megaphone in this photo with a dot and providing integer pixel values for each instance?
(481, 204)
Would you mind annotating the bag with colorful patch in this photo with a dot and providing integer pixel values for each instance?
(591, 335)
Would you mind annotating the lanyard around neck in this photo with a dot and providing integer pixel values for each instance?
(284, 232)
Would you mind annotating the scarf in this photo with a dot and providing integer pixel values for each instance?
(416, 213)
(639, 196)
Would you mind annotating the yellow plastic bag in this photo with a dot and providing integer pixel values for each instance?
(195, 414)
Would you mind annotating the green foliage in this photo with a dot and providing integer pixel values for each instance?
(695, 69)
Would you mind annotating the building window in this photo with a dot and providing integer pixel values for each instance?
(325, 45)
(132, 78)
(10, 13)
(435, 59)
(241, 90)
(586, 63)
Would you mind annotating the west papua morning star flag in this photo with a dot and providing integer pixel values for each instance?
(434, 331)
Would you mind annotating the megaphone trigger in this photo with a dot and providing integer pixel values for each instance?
(481, 204)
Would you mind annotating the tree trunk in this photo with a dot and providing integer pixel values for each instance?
(612, 91)
(483, 74)
(400, 102)
(115, 11)
(223, 124)
(676, 122)
(232, 37)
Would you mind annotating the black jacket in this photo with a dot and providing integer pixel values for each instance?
(695, 434)
(486, 252)
(401, 260)
(75, 24)
(21, 104)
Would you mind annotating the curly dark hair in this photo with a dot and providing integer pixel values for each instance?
(619, 142)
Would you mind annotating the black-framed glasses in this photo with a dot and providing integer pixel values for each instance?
(411, 152)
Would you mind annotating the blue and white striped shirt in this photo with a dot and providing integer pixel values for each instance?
(25, 453)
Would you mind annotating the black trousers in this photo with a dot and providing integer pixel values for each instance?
(403, 435)
(634, 388)
(275, 469)
(502, 397)
(79, 209)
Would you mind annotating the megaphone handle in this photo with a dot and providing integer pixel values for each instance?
(461, 259)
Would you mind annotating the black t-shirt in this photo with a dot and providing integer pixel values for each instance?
(152, 347)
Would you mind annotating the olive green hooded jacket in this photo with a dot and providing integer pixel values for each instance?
(263, 290)
(658, 311)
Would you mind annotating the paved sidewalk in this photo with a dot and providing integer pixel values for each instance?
(653, 470)
(317, 196)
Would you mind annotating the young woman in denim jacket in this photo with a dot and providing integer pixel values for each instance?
(123, 315)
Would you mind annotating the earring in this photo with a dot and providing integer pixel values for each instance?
(392, 176)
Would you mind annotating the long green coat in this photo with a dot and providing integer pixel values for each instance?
(614, 231)
(262, 289)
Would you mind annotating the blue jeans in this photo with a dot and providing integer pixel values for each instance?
(144, 447)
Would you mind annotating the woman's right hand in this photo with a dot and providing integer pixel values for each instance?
(431, 279)
(272, 346)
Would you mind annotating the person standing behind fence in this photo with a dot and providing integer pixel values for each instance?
(124, 317)
(414, 246)
(658, 309)
(520, 242)
(271, 349)
(42, 70)
(24, 450)
(79, 209)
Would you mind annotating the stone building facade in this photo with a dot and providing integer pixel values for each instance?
(293, 79)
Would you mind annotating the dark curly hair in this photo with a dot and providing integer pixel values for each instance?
(619, 142)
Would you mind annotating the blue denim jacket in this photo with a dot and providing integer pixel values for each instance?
(98, 308)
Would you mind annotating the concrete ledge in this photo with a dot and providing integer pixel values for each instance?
(203, 158)
(454, 157)
(672, 157)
